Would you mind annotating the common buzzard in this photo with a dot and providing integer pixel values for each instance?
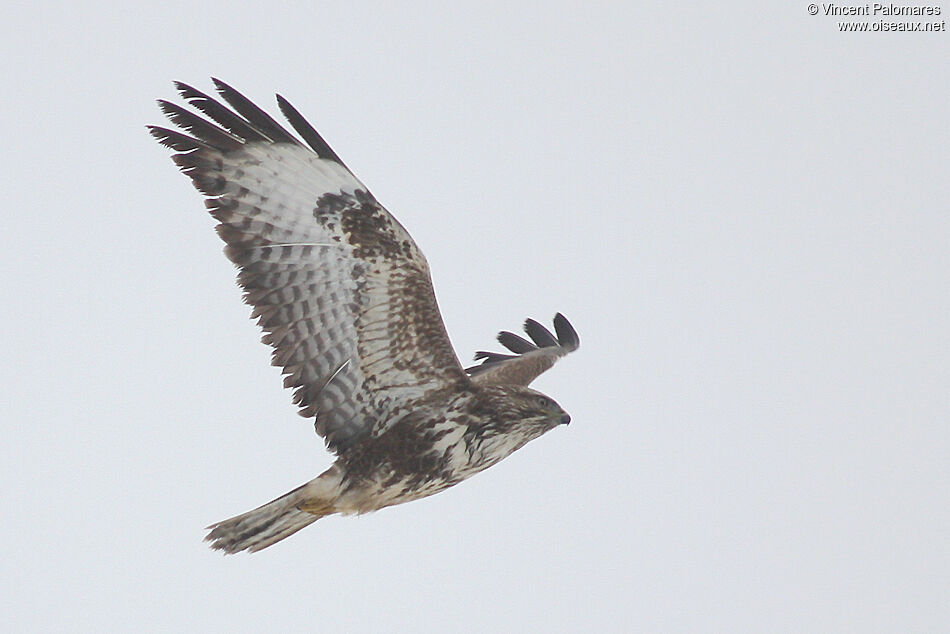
(344, 297)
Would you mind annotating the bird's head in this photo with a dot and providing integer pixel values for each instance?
(513, 409)
(532, 405)
(506, 417)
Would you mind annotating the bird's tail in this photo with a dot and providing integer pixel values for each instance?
(277, 519)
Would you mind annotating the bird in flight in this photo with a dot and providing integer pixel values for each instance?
(344, 297)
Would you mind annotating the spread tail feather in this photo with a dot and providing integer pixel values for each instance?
(274, 521)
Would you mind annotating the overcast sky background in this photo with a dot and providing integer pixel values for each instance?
(743, 211)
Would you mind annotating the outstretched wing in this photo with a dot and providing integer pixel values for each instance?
(530, 359)
(341, 290)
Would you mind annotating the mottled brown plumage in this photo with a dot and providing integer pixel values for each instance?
(345, 299)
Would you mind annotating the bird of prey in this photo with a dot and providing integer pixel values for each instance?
(344, 297)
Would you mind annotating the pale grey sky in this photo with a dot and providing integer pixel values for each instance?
(743, 211)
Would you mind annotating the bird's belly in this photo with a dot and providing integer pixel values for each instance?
(395, 483)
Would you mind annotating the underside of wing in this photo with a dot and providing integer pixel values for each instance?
(341, 290)
(530, 358)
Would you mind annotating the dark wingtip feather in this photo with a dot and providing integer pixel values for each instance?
(516, 344)
(200, 128)
(566, 335)
(240, 121)
(307, 131)
(488, 359)
(566, 341)
(539, 334)
(174, 140)
(254, 115)
(188, 92)
(493, 357)
(220, 114)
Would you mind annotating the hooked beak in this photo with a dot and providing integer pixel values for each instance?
(565, 419)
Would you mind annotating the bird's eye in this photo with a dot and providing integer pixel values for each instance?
(542, 402)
